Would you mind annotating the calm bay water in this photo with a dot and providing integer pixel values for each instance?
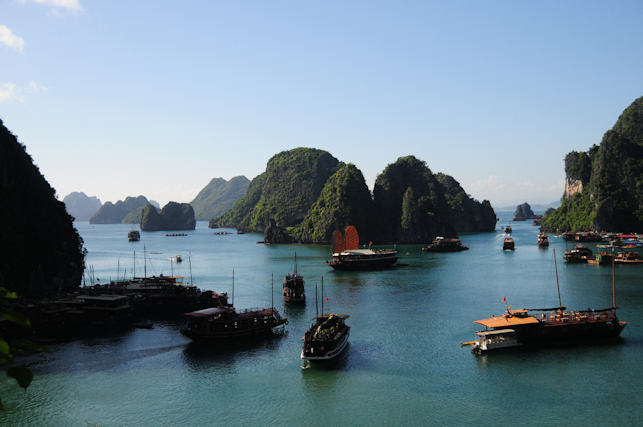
(404, 366)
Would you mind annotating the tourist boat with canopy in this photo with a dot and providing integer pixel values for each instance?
(539, 326)
(348, 256)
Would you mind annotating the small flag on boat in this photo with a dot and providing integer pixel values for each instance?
(504, 300)
(326, 299)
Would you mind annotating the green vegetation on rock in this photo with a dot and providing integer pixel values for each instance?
(612, 192)
(218, 197)
(290, 185)
(466, 214)
(344, 200)
(173, 216)
(126, 211)
(410, 203)
(43, 252)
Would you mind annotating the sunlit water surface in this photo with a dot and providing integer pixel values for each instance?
(404, 366)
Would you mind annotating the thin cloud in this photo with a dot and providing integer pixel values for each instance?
(61, 4)
(9, 92)
(9, 39)
(36, 87)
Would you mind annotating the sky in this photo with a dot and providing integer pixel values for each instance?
(119, 98)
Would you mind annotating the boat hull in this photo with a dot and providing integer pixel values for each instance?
(363, 264)
(234, 334)
(332, 354)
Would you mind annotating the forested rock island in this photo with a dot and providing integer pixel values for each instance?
(604, 185)
(173, 216)
(306, 193)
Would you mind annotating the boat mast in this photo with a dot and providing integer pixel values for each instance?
(560, 304)
(316, 304)
(190, 261)
(118, 269)
(613, 288)
(233, 287)
(272, 291)
(295, 273)
(134, 276)
(144, 262)
(322, 292)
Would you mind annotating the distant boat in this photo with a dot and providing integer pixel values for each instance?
(579, 255)
(508, 229)
(543, 241)
(177, 258)
(134, 236)
(508, 244)
(440, 244)
(293, 290)
(348, 256)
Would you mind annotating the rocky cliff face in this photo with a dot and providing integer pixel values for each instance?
(81, 206)
(42, 251)
(605, 184)
(173, 216)
(523, 211)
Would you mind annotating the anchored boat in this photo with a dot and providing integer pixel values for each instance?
(348, 256)
(548, 325)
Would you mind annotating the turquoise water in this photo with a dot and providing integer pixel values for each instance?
(404, 366)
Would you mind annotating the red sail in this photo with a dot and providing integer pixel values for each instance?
(352, 238)
(338, 241)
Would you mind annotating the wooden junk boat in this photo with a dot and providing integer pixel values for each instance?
(440, 244)
(226, 323)
(294, 291)
(508, 229)
(543, 241)
(548, 326)
(220, 324)
(348, 256)
(134, 236)
(579, 255)
(508, 244)
(326, 338)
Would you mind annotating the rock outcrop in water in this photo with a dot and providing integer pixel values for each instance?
(126, 211)
(523, 212)
(291, 183)
(173, 216)
(81, 206)
(218, 197)
(305, 194)
(604, 186)
(42, 251)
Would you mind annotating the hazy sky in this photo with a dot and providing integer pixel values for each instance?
(118, 98)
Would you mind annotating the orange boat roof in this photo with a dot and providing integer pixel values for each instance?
(506, 321)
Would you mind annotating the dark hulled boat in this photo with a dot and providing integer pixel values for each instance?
(226, 323)
(579, 255)
(549, 325)
(508, 229)
(326, 339)
(348, 256)
(543, 241)
(134, 236)
(508, 244)
(293, 290)
(440, 244)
